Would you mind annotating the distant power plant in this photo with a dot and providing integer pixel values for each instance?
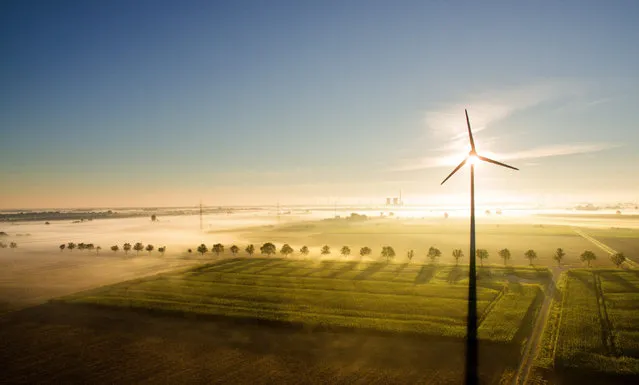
(395, 201)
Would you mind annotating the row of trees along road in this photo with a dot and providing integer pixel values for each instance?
(115, 248)
(11, 245)
(388, 253)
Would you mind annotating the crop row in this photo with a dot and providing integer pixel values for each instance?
(324, 320)
(510, 313)
(382, 303)
(374, 287)
(580, 329)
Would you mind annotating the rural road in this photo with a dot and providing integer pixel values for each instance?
(532, 345)
(607, 249)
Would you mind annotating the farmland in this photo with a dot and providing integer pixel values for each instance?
(356, 303)
(593, 332)
(316, 318)
(374, 296)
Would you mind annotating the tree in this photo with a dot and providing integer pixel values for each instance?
(250, 249)
(434, 253)
(217, 248)
(410, 254)
(138, 247)
(162, 250)
(202, 249)
(530, 255)
(286, 250)
(304, 251)
(618, 259)
(97, 250)
(149, 248)
(82, 246)
(505, 255)
(13, 245)
(62, 246)
(3, 245)
(559, 256)
(154, 218)
(126, 248)
(326, 249)
(115, 248)
(71, 245)
(457, 254)
(90, 246)
(481, 254)
(268, 248)
(346, 251)
(588, 256)
(189, 251)
(388, 252)
(234, 249)
(364, 251)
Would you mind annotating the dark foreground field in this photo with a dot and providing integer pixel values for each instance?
(276, 321)
(61, 343)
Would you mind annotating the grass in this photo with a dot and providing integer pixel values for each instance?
(373, 296)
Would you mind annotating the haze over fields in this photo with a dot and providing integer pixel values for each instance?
(251, 192)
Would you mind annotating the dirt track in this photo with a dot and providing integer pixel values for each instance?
(532, 345)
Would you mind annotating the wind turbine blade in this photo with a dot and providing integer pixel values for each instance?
(470, 134)
(495, 162)
(455, 170)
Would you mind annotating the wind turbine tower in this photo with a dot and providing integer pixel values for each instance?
(471, 331)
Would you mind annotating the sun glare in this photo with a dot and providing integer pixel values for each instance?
(473, 159)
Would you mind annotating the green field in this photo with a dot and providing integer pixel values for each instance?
(593, 330)
(426, 300)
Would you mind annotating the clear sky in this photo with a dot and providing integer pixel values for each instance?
(164, 103)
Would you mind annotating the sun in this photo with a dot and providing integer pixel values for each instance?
(473, 159)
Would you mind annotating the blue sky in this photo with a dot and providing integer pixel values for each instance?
(127, 103)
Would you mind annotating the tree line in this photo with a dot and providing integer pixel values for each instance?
(11, 245)
(388, 252)
(137, 247)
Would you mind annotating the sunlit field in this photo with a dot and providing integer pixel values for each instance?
(403, 298)
(327, 317)
(593, 332)
(427, 302)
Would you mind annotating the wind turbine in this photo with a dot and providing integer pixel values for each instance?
(471, 331)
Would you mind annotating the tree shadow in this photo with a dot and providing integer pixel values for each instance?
(347, 267)
(250, 264)
(324, 265)
(401, 268)
(456, 274)
(370, 270)
(277, 263)
(614, 277)
(590, 285)
(213, 267)
(425, 274)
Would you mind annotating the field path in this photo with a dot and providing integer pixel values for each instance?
(607, 249)
(532, 345)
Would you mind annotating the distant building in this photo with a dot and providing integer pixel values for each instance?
(388, 201)
(395, 201)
